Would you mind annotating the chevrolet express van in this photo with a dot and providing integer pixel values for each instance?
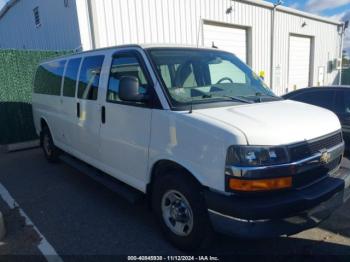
(199, 134)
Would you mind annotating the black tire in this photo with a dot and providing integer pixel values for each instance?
(51, 152)
(179, 181)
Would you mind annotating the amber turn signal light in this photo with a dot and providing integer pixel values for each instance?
(260, 184)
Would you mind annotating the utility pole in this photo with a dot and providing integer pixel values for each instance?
(344, 27)
(275, 5)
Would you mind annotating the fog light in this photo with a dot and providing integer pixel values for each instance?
(260, 184)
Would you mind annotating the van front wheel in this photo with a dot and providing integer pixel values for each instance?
(51, 152)
(181, 211)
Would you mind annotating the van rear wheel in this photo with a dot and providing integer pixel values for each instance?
(51, 152)
(181, 211)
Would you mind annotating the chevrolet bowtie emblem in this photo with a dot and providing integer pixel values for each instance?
(325, 157)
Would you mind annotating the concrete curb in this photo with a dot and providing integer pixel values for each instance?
(2, 227)
(22, 146)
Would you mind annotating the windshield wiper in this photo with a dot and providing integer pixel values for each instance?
(235, 98)
(260, 95)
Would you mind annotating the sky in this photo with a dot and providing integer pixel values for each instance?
(336, 9)
(2, 3)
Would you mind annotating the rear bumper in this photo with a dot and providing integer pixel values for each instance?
(278, 214)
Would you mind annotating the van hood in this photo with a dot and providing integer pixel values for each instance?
(276, 123)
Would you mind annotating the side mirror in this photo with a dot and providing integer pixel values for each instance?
(129, 90)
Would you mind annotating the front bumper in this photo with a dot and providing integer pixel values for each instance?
(278, 214)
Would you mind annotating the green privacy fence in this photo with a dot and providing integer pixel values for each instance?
(17, 69)
(346, 77)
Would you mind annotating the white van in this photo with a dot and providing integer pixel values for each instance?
(199, 133)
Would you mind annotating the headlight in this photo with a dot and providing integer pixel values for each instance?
(253, 156)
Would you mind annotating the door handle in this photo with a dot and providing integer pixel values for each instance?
(103, 115)
(78, 110)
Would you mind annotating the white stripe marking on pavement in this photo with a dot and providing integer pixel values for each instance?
(44, 246)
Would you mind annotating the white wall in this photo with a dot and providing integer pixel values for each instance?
(326, 46)
(84, 22)
(179, 21)
(59, 29)
(116, 22)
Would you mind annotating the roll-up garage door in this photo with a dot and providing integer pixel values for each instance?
(226, 38)
(299, 62)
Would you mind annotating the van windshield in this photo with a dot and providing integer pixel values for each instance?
(193, 76)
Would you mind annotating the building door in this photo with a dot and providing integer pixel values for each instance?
(227, 38)
(299, 62)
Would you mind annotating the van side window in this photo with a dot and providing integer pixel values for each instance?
(70, 77)
(322, 98)
(342, 102)
(48, 78)
(89, 78)
(124, 65)
(347, 102)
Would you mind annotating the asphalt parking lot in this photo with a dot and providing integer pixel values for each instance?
(78, 216)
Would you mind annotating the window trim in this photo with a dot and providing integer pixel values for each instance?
(77, 77)
(154, 100)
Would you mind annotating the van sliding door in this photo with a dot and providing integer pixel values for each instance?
(88, 109)
(68, 105)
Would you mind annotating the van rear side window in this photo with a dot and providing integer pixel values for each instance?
(90, 77)
(70, 77)
(48, 79)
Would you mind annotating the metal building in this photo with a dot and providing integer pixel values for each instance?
(293, 49)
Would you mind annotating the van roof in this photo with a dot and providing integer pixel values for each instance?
(142, 46)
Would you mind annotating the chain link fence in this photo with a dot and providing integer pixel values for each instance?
(17, 69)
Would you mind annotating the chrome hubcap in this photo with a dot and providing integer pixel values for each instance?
(177, 213)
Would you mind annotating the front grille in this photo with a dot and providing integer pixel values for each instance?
(311, 176)
(334, 164)
(308, 148)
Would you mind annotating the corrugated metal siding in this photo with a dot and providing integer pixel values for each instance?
(118, 22)
(326, 46)
(179, 22)
(59, 29)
